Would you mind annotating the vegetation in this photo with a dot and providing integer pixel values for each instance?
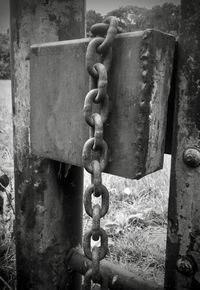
(137, 222)
(92, 18)
(4, 56)
(7, 213)
(132, 18)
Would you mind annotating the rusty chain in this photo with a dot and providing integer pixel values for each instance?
(95, 149)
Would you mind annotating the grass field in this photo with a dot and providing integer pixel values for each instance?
(6, 136)
(7, 247)
(136, 223)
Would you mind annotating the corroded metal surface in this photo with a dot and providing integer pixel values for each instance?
(48, 193)
(118, 277)
(95, 157)
(183, 241)
(139, 84)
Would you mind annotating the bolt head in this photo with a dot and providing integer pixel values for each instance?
(191, 157)
(184, 266)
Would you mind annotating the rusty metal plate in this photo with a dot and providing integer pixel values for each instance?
(139, 85)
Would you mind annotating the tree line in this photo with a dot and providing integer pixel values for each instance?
(131, 18)
(4, 56)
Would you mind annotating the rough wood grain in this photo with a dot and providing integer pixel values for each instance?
(183, 241)
(48, 200)
(139, 84)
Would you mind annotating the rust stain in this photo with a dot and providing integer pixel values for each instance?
(184, 202)
(41, 221)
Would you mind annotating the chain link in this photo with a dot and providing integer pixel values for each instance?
(95, 149)
(93, 57)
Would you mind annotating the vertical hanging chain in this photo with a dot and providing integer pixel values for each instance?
(95, 149)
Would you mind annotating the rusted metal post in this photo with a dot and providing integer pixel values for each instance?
(183, 241)
(118, 278)
(48, 194)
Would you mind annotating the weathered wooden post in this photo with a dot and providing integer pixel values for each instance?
(48, 194)
(183, 243)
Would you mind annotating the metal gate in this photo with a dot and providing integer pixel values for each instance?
(49, 207)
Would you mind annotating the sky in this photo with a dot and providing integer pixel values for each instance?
(101, 6)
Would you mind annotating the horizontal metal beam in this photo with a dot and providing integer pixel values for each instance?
(118, 278)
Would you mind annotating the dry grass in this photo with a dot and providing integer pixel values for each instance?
(7, 245)
(7, 265)
(137, 221)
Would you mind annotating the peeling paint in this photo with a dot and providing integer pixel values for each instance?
(157, 60)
